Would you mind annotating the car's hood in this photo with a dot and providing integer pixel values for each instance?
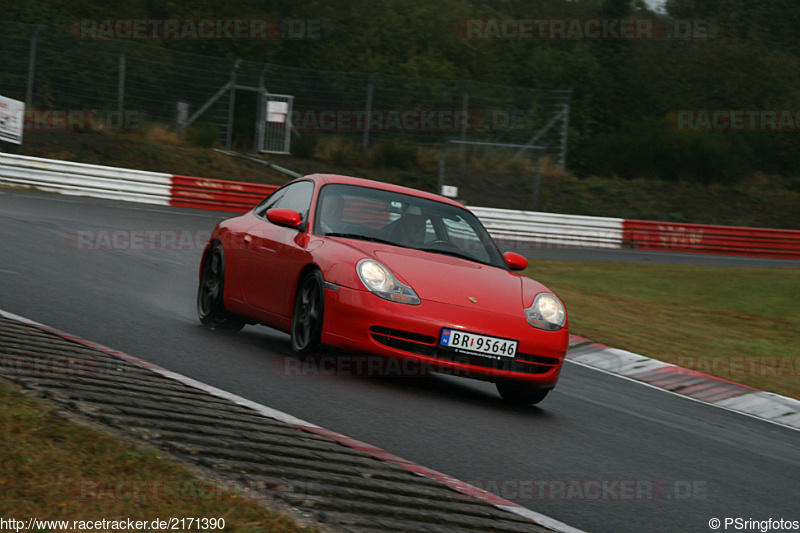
(448, 279)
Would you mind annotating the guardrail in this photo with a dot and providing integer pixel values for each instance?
(710, 239)
(80, 179)
(218, 195)
(527, 230)
(514, 230)
(115, 183)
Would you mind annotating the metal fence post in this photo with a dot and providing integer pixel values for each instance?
(537, 179)
(262, 111)
(32, 67)
(465, 111)
(121, 82)
(231, 102)
(564, 130)
(442, 155)
(368, 114)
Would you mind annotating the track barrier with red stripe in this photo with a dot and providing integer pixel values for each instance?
(709, 239)
(217, 195)
(520, 230)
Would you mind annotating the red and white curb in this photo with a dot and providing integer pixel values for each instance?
(688, 383)
(377, 453)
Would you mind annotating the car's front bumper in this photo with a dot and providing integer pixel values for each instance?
(361, 322)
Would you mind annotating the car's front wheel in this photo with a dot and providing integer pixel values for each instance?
(309, 308)
(210, 305)
(521, 393)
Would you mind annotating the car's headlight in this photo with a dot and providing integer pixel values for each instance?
(378, 279)
(547, 312)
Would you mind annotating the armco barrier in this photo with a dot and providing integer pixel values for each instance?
(219, 195)
(114, 183)
(514, 230)
(528, 230)
(709, 239)
(80, 179)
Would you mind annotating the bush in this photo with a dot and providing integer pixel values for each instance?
(393, 155)
(203, 135)
(651, 150)
(305, 145)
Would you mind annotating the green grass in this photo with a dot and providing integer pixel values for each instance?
(740, 324)
(54, 469)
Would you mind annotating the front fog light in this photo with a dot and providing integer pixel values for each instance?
(547, 312)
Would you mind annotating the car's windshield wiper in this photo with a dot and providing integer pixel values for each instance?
(361, 237)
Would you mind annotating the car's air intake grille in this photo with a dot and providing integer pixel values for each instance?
(426, 345)
(404, 340)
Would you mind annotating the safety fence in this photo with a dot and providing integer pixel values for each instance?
(114, 83)
(514, 230)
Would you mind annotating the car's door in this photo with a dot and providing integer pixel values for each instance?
(273, 258)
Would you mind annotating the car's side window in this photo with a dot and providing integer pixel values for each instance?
(296, 196)
(269, 202)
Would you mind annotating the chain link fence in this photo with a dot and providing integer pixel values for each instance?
(129, 83)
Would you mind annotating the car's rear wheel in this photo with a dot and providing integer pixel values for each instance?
(309, 308)
(521, 393)
(210, 305)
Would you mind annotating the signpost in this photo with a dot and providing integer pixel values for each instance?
(12, 120)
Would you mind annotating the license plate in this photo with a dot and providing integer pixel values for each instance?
(473, 343)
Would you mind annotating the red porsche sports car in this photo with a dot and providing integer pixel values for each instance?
(374, 268)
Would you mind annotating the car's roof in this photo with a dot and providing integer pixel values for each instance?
(363, 182)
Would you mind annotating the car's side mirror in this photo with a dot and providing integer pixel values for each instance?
(515, 261)
(284, 217)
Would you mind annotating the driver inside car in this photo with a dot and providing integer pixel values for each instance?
(412, 230)
(330, 213)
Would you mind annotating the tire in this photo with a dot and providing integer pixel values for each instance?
(309, 309)
(520, 393)
(210, 302)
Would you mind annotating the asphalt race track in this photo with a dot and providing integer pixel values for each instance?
(600, 453)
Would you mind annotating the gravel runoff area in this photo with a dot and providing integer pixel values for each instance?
(301, 469)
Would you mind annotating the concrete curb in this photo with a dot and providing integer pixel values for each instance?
(342, 483)
(691, 384)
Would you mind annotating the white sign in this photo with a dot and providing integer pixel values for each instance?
(182, 113)
(450, 191)
(277, 111)
(12, 120)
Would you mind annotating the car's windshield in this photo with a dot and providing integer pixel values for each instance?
(356, 212)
